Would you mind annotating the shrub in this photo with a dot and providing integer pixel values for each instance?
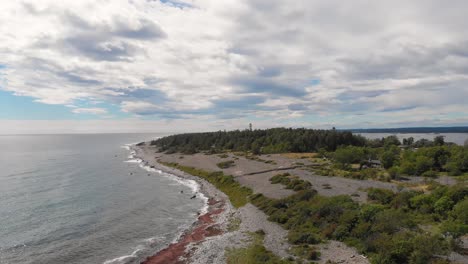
(382, 196)
(291, 182)
(226, 164)
(443, 205)
(460, 211)
(430, 174)
(394, 172)
(303, 237)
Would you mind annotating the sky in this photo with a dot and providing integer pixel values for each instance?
(197, 65)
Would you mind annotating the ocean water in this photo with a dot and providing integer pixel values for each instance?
(85, 199)
(457, 138)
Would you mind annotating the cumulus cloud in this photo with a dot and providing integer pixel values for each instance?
(304, 63)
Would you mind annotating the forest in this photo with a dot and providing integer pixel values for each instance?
(275, 140)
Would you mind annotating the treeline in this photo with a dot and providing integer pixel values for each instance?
(275, 140)
(423, 157)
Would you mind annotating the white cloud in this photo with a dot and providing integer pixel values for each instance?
(193, 58)
(94, 111)
(139, 107)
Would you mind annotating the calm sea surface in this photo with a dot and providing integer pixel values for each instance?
(82, 199)
(457, 138)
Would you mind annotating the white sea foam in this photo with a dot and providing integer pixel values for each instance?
(126, 146)
(193, 185)
(126, 258)
(141, 250)
(133, 161)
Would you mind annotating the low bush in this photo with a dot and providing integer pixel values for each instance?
(226, 164)
(382, 196)
(291, 182)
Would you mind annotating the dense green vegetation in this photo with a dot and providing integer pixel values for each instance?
(422, 158)
(276, 140)
(389, 229)
(403, 227)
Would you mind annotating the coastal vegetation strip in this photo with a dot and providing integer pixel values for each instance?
(238, 194)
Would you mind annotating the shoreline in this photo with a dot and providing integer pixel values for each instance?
(210, 222)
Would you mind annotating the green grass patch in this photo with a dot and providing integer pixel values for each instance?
(234, 224)
(254, 253)
(238, 195)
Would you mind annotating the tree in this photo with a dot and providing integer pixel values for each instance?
(256, 147)
(389, 156)
(460, 211)
(453, 168)
(348, 155)
(439, 141)
(423, 164)
(394, 172)
(408, 141)
(391, 140)
(443, 205)
(466, 143)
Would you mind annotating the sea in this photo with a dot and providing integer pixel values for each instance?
(87, 199)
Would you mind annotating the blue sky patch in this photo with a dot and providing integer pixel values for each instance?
(14, 107)
(315, 82)
(178, 4)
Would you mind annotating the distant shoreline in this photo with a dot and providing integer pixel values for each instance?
(409, 130)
